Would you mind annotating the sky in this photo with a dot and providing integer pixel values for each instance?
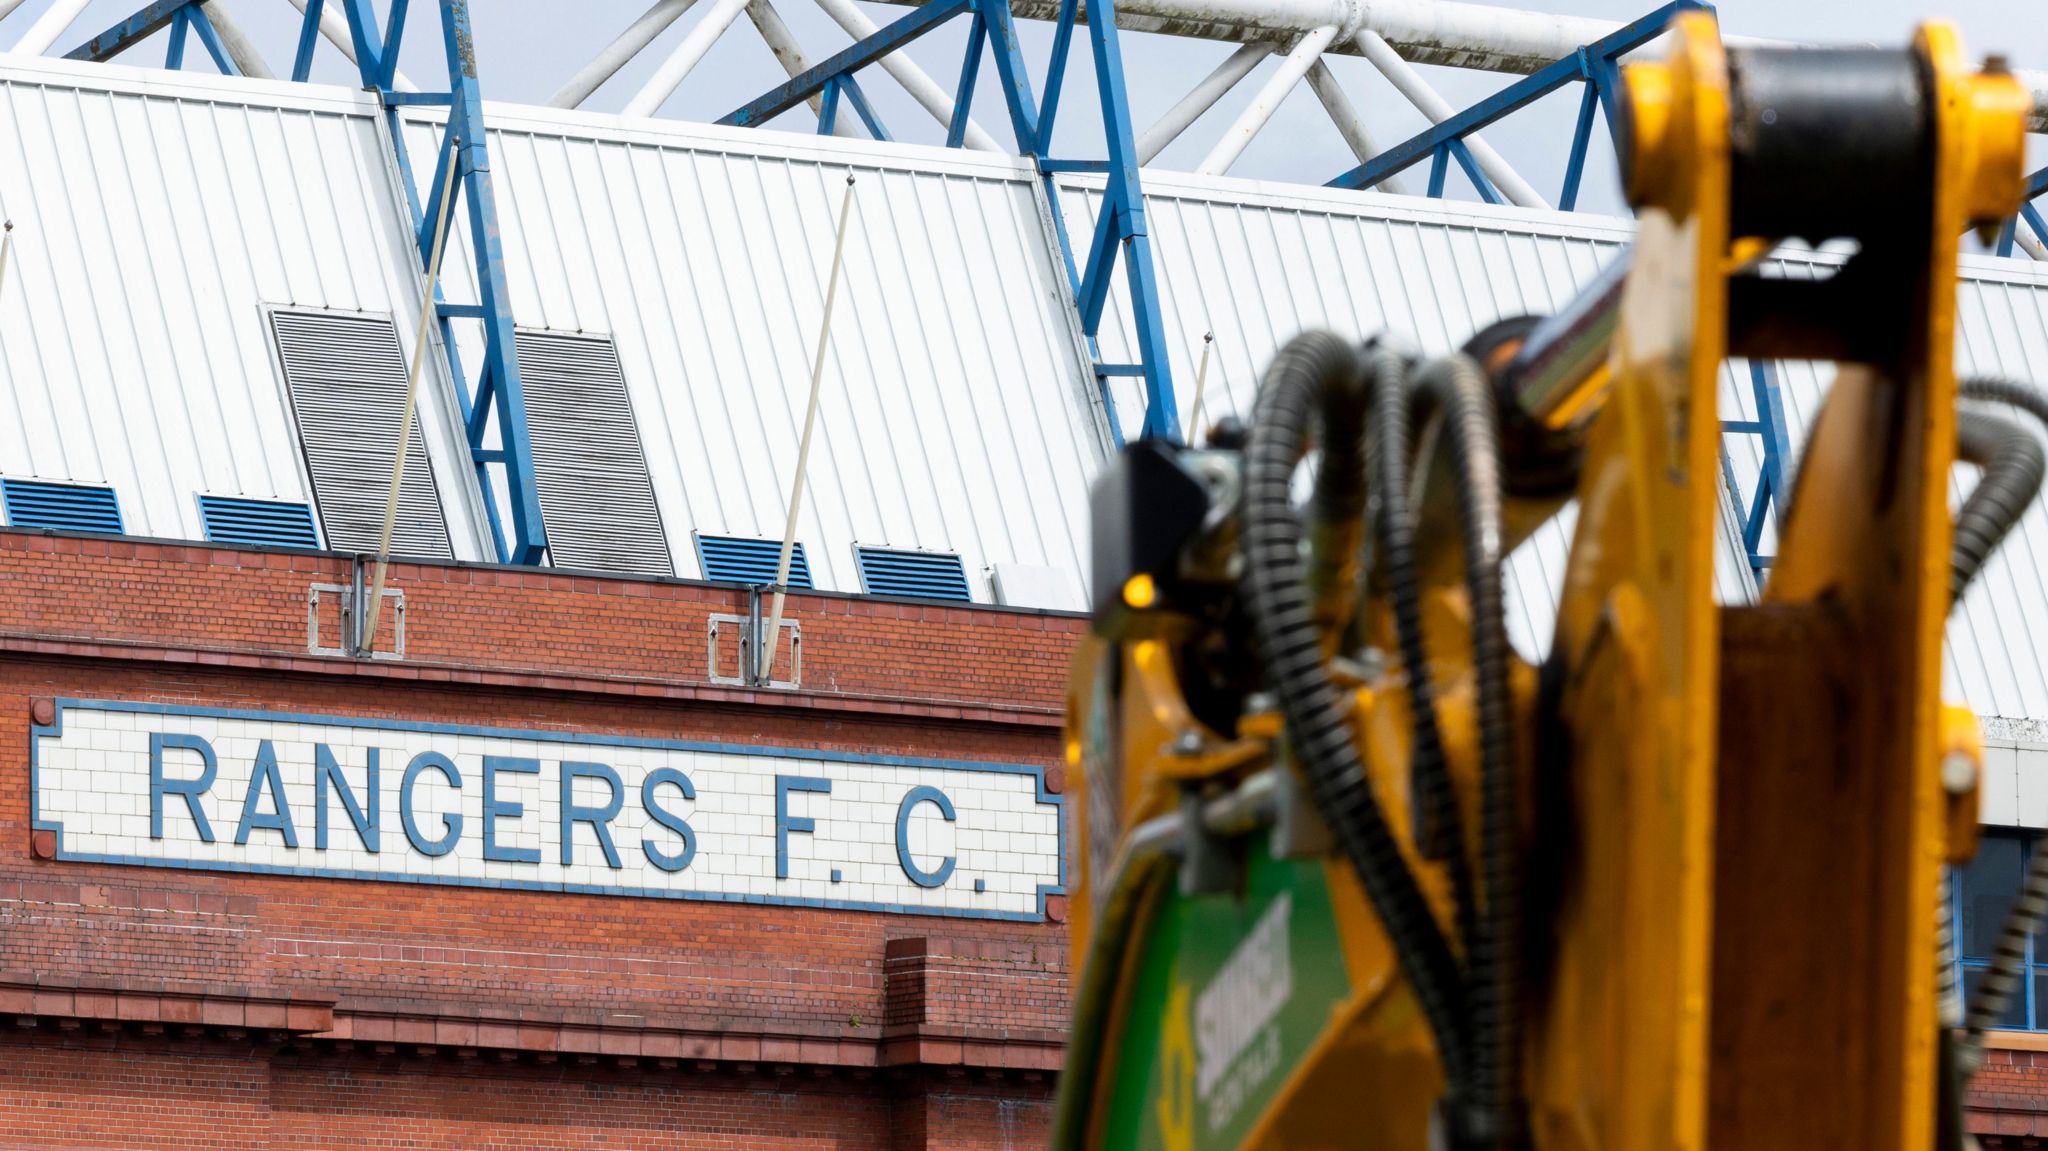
(527, 48)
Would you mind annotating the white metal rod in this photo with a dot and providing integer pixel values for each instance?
(1255, 115)
(1350, 124)
(922, 88)
(54, 22)
(334, 26)
(8, 6)
(1200, 99)
(239, 47)
(412, 392)
(2023, 235)
(1410, 84)
(766, 648)
(615, 56)
(1194, 428)
(630, 43)
(6, 251)
(782, 43)
(667, 78)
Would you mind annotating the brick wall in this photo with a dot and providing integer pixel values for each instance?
(459, 1016)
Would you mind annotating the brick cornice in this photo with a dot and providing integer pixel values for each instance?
(415, 671)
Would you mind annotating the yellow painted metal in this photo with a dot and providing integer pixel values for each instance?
(1741, 953)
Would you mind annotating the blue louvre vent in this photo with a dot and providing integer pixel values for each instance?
(913, 575)
(265, 523)
(735, 559)
(61, 507)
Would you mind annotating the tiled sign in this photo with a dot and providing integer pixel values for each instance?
(163, 786)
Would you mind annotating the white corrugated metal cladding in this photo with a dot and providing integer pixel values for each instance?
(162, 220)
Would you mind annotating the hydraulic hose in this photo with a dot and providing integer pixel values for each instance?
(1439, 830)
(1459, 389)
(2012, 461)
(1315, 386)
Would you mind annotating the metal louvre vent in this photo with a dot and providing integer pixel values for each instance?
(912, 575)
(61, 507)
(263, 523)
(737, 559)
(347, 383)
(590, 471)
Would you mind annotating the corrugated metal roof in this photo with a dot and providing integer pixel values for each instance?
(155, 216)
(158, 215)
(954, 416)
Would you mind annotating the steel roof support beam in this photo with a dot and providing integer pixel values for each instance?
(788, 53)
(464, 145)
(1200, 99)
(240, 49)
(667, 78)
(884, 43)
(1350, 124)
(335, 28)
(49, 27)
(1306, 54)
(630, 43)
(914, 80)
(1410, 84)
(1120, 229)
(1454, 136)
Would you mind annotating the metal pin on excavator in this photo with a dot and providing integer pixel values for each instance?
(1354, 874)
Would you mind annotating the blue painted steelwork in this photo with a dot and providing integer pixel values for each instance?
(1120, 224)
(1595, 64)
(1771, 493)
(182, 16)
(498, 388)
(2037, 184)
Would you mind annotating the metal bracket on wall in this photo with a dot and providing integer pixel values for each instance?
(351, 600)
(744, 633)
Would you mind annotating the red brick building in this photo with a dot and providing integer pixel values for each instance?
(159, 1007)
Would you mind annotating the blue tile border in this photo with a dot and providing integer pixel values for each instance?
(55, 730)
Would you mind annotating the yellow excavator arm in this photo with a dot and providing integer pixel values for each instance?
(1354, 873)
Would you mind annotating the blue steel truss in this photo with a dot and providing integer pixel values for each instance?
(463, 145)
(1771, 494)
(1597, 65)
(1120, 224)
(185, 17)
(2037, 184)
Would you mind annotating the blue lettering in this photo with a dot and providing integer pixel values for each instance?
(451, 822)
(265, 778)
(599, 818)
(936, 798)
(326, 772)
(785, 822)
(494, 808)
(668, 819)
(190, 789)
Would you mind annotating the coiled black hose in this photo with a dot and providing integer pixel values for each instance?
(1459, 389)
(1438, 829)
(1315, 384)
(2012, 461)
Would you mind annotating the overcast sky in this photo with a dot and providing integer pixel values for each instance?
(526, 48)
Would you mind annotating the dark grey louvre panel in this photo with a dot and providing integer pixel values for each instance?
(589, 468)
(347, 382)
